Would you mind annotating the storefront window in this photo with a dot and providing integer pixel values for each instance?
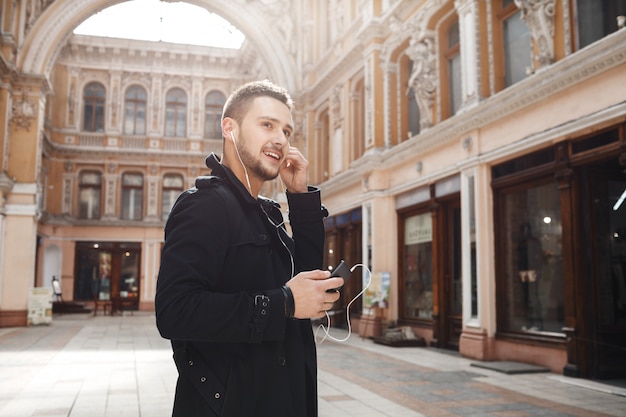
(532, 259)
(107, 271)
(418, 276)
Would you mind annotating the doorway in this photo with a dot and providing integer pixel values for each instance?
(604, 205)
(451, 324)
(108, 271)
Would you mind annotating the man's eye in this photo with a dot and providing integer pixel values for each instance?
(287, 133)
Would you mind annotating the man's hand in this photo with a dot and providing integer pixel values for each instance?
(309, 293)
(294, 172)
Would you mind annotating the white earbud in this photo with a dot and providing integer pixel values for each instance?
(232, 136)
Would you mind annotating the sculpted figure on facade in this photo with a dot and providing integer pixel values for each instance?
(423, 79)
(539, 16)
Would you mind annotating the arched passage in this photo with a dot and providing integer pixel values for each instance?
(52, 30)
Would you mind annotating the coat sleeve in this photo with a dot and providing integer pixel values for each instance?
(189, 305)
(306, 216)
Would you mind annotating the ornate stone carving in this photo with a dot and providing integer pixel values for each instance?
(539, 16)
(23, 111)
(34, 9)
(335, 105)
(423, 79)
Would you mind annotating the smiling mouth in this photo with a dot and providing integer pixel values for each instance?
(271, 154)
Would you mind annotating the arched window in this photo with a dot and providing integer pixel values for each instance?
(213, 115)
(132, 196)
(93, 112)
(135, 103)
(172, 187)
(90, 186)
(176, 113)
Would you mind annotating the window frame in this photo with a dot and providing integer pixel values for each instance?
(176, 103)
(127, 201)
(94, 106)
(136, 103)
(165, 190)
(89, 186)
(213, 114)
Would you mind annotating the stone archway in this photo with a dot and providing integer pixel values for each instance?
(39, 31)
(51, 30)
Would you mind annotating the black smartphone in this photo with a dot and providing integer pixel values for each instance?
(341, 270)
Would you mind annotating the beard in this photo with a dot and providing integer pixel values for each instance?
(255, 166)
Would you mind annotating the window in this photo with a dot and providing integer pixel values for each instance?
(531, 273)
(596, 19)
(417, 271)
(413, 109)
(135, 111)
(213, 115)
(90, 184)
(172, 187)
(513, 44)
(132, 196)
(93, 112)
(107, 271)
(176, 113)
(453, 58)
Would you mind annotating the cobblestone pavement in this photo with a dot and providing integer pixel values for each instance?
(85, 366)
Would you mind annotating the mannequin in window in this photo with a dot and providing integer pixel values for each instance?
(529, 268)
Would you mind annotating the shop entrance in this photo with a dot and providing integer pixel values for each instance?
(108, 271)
(452, 294)
(604, 205)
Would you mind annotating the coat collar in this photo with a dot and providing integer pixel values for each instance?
(219, 170)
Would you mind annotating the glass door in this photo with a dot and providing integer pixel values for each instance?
(607, 275)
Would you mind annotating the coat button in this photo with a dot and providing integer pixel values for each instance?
(263, 237)
(282, 361)
(190, 363)
(217, 395)
(203, 379)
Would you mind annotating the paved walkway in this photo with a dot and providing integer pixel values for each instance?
(84, 366)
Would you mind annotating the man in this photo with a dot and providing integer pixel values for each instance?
(235, 292)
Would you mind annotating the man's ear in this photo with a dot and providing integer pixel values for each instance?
(228, 128)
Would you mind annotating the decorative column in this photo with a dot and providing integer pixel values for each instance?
(20, 166)
(110, 181)
(539, 16)
(468, 11)
(374, 98)
(577, 336)
(152, 200)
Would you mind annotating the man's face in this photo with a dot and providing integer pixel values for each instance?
(263, 139)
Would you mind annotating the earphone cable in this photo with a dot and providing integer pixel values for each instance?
(326, 329)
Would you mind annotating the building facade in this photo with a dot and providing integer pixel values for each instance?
(472, 155)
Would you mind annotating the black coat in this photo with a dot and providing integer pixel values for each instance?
(219, 300)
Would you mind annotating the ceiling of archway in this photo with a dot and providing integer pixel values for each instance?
(269, 49)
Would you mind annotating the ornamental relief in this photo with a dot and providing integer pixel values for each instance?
(539, 16)
(34, 9)
(23, 111)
